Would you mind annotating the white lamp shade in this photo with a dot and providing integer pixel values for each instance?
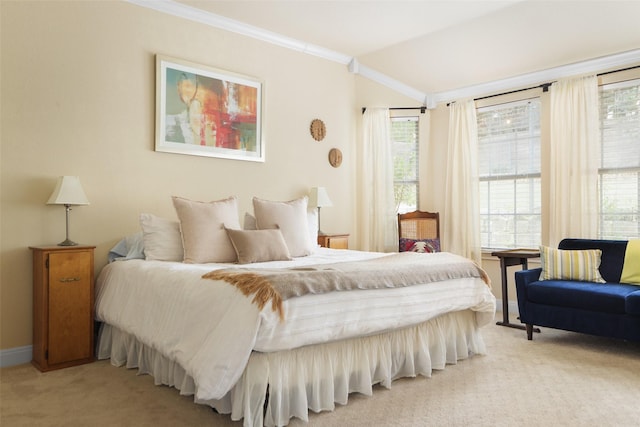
(68, 191)
(319, 198)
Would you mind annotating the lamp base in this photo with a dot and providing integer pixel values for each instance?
(67, 242)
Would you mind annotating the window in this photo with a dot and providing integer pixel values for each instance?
(620, 164)
(405, 140)
(509, 169)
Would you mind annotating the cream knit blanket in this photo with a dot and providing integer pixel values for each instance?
(398, 270)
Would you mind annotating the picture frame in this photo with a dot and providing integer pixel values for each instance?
(205, 111)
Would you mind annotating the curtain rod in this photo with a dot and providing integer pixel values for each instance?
(421, 108)
(545, 86)
(617, 71)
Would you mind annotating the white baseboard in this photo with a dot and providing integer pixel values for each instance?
(16, 356)
(513, 307)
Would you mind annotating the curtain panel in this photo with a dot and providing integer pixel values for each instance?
(574, 159)
(462, 207)
(377, 217)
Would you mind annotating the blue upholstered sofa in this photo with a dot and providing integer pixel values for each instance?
(609, 309)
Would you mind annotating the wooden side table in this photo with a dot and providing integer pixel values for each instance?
(508, 258)
(62, 306)
(334, 241)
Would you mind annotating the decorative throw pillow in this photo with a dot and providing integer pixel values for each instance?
(203, 229)
(631, 266)
(312, 223)
(259, 245)
(291, 218)
(580, 265)
(162, 238)
(419, 245)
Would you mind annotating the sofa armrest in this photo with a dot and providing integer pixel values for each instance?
(523, 278)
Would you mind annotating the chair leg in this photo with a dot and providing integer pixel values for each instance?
(529, 328)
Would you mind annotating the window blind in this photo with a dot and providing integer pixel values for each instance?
(405, 144)
(620, 160)
(509, 169)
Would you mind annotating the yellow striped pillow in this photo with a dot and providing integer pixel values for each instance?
(580, 265)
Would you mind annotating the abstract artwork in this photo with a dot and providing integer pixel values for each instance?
(204, 111)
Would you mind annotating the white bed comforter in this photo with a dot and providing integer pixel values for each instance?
(210, 328)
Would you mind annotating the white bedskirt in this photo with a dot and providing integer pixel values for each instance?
(313, 377)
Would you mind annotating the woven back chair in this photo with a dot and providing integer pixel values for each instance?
(418, 225)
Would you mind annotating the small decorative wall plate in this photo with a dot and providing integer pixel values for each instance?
(335, 157)
(318, 129)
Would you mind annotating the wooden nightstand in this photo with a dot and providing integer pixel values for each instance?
(62, 306)
(334, 241)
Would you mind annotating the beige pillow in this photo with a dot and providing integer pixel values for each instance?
(203, 229)
(259, 245)
(162, 238)
(312, 223)
(291, 218)
(249, 222)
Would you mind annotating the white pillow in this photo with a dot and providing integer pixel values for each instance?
(203, 229)
(312, 223)
(291, 218)
(161, 237)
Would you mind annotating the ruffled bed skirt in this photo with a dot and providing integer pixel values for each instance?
(314, 377)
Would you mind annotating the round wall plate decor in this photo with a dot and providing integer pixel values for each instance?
(335, 157)
(318, 129)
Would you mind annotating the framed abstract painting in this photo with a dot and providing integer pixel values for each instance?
(205, 111)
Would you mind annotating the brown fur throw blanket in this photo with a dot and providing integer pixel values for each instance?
(398, 270)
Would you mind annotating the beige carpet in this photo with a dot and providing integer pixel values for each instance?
(559, 379)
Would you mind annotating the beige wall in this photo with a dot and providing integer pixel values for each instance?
(78, 98)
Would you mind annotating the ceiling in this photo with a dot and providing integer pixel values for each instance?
(351, 27)
(443, 45)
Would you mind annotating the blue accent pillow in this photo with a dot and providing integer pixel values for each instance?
(419, 245)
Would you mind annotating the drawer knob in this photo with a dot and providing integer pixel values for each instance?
(70, 279)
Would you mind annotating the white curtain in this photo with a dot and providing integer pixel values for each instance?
(462, 209)
(377, 217)
(574, 159)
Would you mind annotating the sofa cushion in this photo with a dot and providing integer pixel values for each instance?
(632, 305)
(607, 297)
(612, 257)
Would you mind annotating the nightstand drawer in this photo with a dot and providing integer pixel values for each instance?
(334, 241)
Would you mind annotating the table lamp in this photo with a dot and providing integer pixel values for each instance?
(319, 198)
(68, 192)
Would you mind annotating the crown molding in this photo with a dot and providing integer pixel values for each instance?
(595, 65)
(356, 68)
(430, 100)
(193, 14)
(198, 15)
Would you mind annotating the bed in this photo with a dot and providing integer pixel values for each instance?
(190, 327)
